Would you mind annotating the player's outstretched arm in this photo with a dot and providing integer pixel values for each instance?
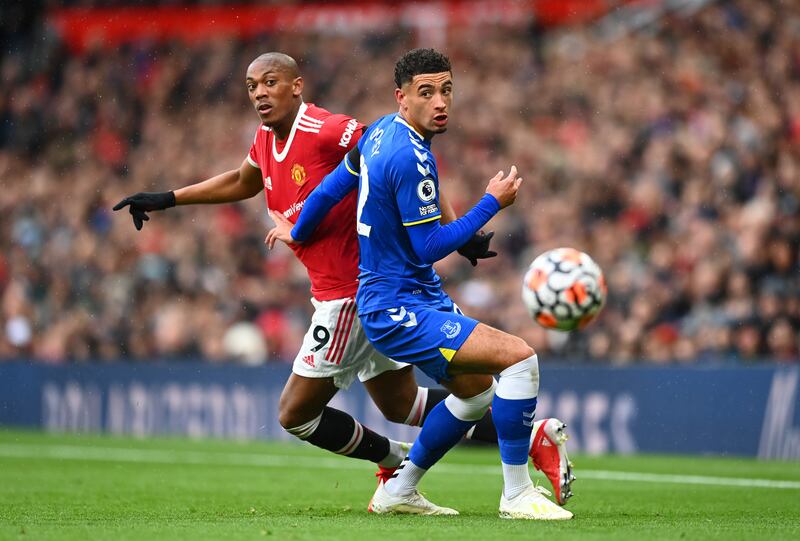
(333, 188)
(432, 241)
(141, 203)
(234, 185)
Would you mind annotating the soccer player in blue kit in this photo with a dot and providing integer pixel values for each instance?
(403, 309)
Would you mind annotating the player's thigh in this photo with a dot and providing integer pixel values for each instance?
(488, 350)
(303, 399)
(385, 379)
(391, 385)
(468, 385)
(393, 392)
(426, 336)
(334, 346)
(399, 387)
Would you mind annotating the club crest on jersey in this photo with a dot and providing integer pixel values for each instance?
(451, 328)
(426, 190)
(299, 174)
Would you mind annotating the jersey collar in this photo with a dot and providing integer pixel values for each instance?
(399, 120)
(280, 156)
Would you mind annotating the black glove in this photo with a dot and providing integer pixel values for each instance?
(143, 202)
(478, 247)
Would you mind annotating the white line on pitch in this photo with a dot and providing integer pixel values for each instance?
(161, 456)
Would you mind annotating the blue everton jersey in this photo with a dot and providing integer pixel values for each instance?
(398, 188)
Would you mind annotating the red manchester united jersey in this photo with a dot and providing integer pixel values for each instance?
(291, 169)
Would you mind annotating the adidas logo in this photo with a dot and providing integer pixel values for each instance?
(309, 360)
(546, 443)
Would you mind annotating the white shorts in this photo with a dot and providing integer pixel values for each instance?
(335, 346)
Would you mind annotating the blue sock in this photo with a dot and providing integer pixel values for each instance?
(440, 432)
(514, 422)
(513, 408)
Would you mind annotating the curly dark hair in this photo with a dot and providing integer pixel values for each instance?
(418, 61)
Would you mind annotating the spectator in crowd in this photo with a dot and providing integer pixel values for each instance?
(672, 156)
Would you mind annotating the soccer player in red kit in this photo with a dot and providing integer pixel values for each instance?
(296, 145)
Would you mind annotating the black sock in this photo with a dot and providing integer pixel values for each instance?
(484, 429)
(434, 397)
(339, 432)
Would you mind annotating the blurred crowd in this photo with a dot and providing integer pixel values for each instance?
(670, 155)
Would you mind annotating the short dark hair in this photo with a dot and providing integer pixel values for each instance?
(419, 61)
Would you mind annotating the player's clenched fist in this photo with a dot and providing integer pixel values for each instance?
(144, 202)
(504, 189)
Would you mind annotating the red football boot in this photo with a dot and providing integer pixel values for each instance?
(383, 475)
(549, 455)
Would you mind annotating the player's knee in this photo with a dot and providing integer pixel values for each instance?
(395, 404)
(290, 415)
(302, 430)
(472, 408)
(521, 350)
(401, 405)
(520, 380)
(287, 419)
(396, 415)
(396, 412)
(296, 419)
(525, 368)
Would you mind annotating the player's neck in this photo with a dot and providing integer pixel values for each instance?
(284, 128)
(420, 131)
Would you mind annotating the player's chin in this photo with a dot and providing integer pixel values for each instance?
(268, 118)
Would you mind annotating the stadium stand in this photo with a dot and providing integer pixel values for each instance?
(670, 154)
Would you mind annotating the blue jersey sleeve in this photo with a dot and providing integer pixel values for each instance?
(333, 188)
(432, 241)
(416, 186)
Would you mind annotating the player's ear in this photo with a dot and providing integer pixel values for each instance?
(297, 86)
(400, 96)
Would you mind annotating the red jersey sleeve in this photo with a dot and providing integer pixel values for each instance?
(339, 133)
(252, 156)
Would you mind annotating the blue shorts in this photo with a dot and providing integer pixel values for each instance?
(427, 336)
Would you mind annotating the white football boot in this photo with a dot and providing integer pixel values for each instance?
(548, 453)
(415, 504)
(532, 505)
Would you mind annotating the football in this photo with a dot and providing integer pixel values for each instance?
(564, 289)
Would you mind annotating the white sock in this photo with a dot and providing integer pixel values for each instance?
(414, 417)
(395, 456)
(408, 476)
(515, 480)
(520, 381)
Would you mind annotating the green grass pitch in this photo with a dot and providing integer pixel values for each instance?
(91, 487)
